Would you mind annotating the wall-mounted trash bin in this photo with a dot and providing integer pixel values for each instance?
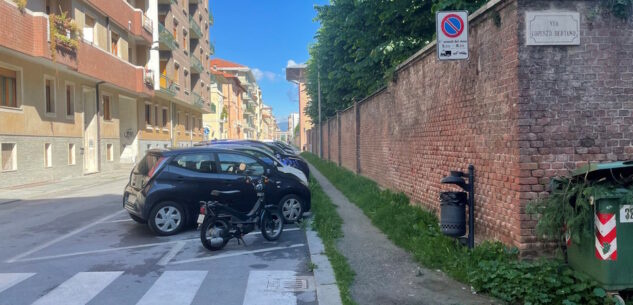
(453, 213)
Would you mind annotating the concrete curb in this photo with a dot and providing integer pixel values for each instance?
(326, 289)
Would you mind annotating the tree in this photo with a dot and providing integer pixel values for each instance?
(360, 43)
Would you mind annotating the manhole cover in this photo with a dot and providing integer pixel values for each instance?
(298, 283)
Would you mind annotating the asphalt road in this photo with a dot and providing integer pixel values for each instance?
(80, 247)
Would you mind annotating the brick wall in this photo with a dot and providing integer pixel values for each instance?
(334, 147)
(348, 139)
(520, 114)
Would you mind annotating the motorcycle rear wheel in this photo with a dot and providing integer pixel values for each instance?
(272, 225)
(213, 227)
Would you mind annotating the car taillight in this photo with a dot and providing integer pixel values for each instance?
(156, 166)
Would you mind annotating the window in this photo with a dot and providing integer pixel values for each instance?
(114, 45)
(164, 117)
(89, 26)
(156, 116)
(70, 100)
(71, 154)
(184, 40)
(8, 157)
(186, 122)
(106, 108)
(109, 152)
(8, 88)
(202, 163)
(148, 115)
(48, 155)
(175, 30)
(49, 94)
(230, 164)
(176, 73)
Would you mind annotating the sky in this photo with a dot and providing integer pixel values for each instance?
(266, 36)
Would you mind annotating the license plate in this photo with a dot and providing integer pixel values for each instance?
(200, 218)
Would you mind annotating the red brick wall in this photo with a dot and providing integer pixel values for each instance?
(520, 114)
(324, 139)
(348, 139)
(333, 139)
(22, 32)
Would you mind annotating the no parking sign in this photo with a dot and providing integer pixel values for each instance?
(452, 35)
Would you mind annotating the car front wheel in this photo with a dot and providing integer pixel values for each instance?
(291, 208)
(166, 218)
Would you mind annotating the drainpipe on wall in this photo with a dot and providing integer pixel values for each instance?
(171, 125)
(97, 113)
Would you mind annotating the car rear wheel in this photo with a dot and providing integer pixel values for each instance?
(167, 218)
(138, 219)
(291, 208)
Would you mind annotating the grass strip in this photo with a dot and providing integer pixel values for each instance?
(490, 268)
(327, 223)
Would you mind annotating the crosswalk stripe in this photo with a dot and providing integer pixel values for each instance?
(262, 289)
(79, 289)
(9, 279)
(174, 288)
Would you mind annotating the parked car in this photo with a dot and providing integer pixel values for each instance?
(285, 157)
(167, 185)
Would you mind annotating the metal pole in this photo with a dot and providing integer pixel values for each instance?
(319, 93)
(471, 206)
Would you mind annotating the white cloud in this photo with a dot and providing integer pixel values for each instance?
(259, 75)
(291, 63)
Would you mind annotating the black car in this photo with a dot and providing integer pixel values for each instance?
(285, 157)
(167, 185)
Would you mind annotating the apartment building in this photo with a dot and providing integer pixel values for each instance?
(268, 123)
(82, 89)
(250, 121)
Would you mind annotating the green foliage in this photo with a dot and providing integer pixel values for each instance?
(64, 32)
(21, 4)
(327, 223)
(619, 8)
(360, 43)
(490, 268)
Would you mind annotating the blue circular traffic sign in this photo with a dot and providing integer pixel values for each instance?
(452, 25)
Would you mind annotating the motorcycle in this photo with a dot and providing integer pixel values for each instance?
(222, 223)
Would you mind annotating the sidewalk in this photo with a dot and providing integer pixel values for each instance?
(385, 273)
(56, 188)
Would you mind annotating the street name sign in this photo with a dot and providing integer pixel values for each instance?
(552, 28)
(452, 35)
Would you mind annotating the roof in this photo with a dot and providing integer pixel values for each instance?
(221, 63)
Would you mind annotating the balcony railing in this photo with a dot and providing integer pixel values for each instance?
(148, 24)
(196, 65)
(166, 38)
(210, 18)
(196, 32)
(213, 108)
(167, 85)
(250, 109)
(212, 48)
(197, 100)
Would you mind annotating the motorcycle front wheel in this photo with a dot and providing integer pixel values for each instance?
(211, 230)
(272, 225)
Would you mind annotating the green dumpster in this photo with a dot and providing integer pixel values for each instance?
(607, 257)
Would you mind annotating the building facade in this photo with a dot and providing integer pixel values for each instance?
(90, 85)
(249, 121)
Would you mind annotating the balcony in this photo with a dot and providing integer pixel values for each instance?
(210, 18)
(213, 108)
(197, 100)
(196, 65)
(125, 16)
(167, 85)
(166, 39)
(148, 24)
(196, 32)
(212, 46)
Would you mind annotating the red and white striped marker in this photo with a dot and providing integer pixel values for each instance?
(606, 241)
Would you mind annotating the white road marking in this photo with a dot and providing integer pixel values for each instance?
(103, 250)
(172, 253)
(231, 254)
(58, 239)
(9, 279)
(79, 289)
(174, 288)
(260, 292)
(120, 220)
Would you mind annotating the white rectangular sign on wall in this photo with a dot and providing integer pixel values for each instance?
(452, 35)
(552, 28)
